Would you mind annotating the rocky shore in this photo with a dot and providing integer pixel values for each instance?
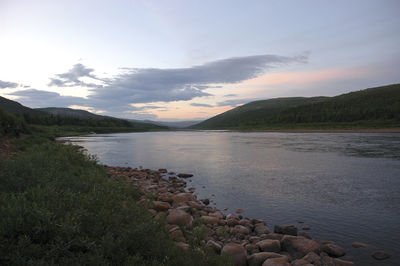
(248, 241)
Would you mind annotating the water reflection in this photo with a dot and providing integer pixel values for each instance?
(345, 186)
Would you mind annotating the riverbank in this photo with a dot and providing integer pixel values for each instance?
(383, 130)
(248, 241)
(58, 207)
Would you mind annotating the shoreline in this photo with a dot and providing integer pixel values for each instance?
(383, 130)
(248, 241)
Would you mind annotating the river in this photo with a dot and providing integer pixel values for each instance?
(344, 186)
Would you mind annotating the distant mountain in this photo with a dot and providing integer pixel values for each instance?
(172, 125)
(68, 112)
(66, 116)
(374, 105)
(16, 108)
(253, 111)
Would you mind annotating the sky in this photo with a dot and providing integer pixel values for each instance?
(190, 60)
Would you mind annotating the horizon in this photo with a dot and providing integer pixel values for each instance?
(182, 60)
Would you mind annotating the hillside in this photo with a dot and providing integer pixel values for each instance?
(68, 112)
(252, 112)
(76, 120)
(370, 107)
(16, 108)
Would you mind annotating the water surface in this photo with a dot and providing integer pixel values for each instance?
(345, 186)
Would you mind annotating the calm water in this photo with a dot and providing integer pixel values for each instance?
(346, 187)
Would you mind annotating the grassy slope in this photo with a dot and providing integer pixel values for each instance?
(59, 208)
(61, 120)
(375, 107)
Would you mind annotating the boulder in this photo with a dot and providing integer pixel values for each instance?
(301, 262)
(237, 252)
(257, 259)
(163, 170)
(209, 219)
(241, 229)
(333, 250)
(269, 245)
(313, 258)
(298, 246)
(161, 206)
(281, 261)
(286, 230)
(252, 248)
(182, 198)
(261, 228)
(214, 245)
(179, 217)
(380, 255)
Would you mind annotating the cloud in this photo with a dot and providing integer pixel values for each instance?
(6, 84)
(230, 95)
(144, 85)
(39, 98)
(235, 102)
(71, 78)
(119, 94)
(201, 105)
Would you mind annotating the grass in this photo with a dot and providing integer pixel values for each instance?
(58, 207)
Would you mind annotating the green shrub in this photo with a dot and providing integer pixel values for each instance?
(57, 206)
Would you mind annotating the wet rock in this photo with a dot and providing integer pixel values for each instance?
(163, 170)
(161, 206)
(305, 234)
(306, 228)
(359, 245)
(237, 252)
(333, 250)
(181, 175)
(214, 245)
(328, 261)
(192, 190)
(257, 259)
(380, 255)
(281, 261)
(179, 217)
(205, 201)
(239, 211)
(298, 246)
(286, 230)
(269, 245)
(233, 216)
(261, 228)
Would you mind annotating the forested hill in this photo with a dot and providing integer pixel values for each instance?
(372, 107)
(81, 120)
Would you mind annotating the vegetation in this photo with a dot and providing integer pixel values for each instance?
(58, 207)
(371, 108)
(10, 125)
(72, 120)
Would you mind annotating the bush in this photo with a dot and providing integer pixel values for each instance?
(57, 206)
